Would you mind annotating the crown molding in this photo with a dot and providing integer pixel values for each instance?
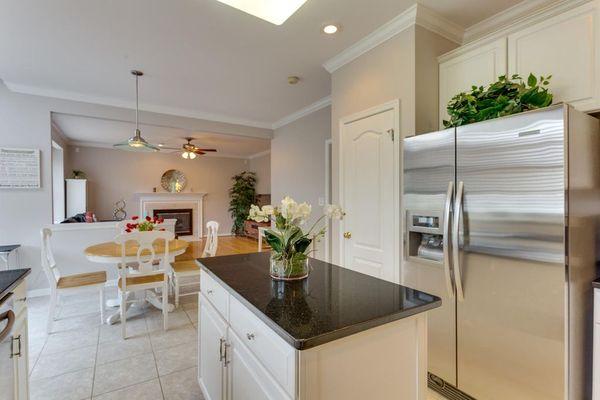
(113, 102)
(373, 39)
(417, 14)
(59, 132)
(436, 23)
(260, 154)
(316, 106)
(525, 12)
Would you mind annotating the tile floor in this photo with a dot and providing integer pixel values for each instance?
(83, 359)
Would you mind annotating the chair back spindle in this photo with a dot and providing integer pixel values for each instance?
(212, 239)
(48, 261)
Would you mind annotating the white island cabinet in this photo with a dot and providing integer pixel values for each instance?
(300, 348)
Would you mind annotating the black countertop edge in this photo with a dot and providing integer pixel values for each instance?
(304, 344)
(596, 283)
(11, 278)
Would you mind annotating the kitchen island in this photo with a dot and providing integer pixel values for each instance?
(337, 334)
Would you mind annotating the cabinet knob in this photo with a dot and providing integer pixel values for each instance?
(250, 336)
(347, 235)
(209, 291)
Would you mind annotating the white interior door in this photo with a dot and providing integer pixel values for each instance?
(369, 185)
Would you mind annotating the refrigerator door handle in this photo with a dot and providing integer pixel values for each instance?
(455, 248)
(445, 240)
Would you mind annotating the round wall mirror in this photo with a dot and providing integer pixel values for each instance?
(173, 181)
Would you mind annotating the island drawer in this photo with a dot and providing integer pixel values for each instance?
(278, 357)
(215, 293)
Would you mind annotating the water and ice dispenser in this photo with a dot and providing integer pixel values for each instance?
(425, 235)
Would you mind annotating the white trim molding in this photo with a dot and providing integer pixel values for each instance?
(415, 15)
(114, 102)
(257, 155)
(316, 106)
(513, 18)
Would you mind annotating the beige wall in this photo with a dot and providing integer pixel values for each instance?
(25, 122)
(114, 174)
(262, 166)
(383, 74)
(405, 68)
(429, 46)
(298, 160)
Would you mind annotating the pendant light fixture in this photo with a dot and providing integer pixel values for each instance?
(136, 142)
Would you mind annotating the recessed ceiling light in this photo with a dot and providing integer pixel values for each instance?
(273, 11)
(330, 29)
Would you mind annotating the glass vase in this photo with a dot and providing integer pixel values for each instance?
(288, 269)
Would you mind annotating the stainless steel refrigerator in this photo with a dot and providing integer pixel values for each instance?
(501, 221)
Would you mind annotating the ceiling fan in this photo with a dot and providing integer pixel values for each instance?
(190, 150)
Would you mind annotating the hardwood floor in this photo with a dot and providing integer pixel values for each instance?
(227, 245)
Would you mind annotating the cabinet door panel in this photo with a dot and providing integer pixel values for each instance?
(564, 46)
(210, 372)
(246, 377)
(477, 66)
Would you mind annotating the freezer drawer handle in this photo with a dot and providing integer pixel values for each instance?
(445, 244)
(455, 248)
(10, 315)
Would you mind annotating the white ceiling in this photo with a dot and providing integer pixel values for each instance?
(201, 57)
(87, 131)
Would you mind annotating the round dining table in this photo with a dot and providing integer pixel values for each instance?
(110, 253)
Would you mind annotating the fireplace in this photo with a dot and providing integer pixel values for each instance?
(184, 216)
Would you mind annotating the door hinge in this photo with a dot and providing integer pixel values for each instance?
(392, 133)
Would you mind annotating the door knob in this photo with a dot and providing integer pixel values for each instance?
(347, 235)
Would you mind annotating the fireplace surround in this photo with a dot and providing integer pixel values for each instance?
(184, 217)
(148, 203)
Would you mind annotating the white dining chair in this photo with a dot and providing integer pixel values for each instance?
(67, 284)
(183, 270)
(148, 275)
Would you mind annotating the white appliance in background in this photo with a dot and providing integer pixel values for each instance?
(76, 196)
(502, 224)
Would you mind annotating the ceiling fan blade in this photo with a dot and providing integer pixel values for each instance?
(199, 149)
(199, 152)
(170, 148)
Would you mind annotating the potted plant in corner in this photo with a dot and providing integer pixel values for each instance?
(242, 194)
(290, 244)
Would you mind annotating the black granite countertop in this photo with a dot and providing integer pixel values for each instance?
(9, 279)
(596, 283)
(333, 302)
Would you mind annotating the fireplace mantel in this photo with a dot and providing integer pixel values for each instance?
(147, 202)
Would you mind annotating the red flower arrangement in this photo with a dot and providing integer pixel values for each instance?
(149, 224)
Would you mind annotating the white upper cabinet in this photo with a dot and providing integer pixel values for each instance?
(479, 65)
(566, 47)
(562, 41)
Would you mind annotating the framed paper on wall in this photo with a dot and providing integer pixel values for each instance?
(19, 168)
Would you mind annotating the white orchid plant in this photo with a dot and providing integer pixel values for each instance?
(288, 241)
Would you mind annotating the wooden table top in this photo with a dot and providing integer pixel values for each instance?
(113, 250)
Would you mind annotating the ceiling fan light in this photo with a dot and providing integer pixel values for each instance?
(134, 144)
(192, 155)
(185, 155)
